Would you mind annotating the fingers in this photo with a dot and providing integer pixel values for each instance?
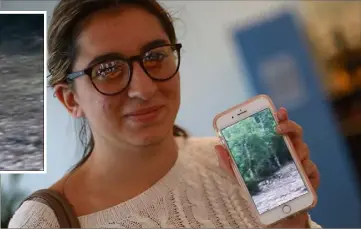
(302, 151)
(282, 114)
(312, 173)
(294, 131)
(290, 128)
(286, 126)
(224, 159)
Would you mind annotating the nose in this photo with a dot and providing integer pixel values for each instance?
(141, 85)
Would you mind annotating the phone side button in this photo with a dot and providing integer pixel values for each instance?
(286, 209)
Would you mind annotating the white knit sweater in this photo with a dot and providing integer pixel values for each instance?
(195, 193)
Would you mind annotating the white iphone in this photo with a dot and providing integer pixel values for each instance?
(264, 162)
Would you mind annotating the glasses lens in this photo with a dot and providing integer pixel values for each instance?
(111, 76)
(162, 62)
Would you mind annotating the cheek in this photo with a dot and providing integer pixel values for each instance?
(103, 105)
(171, 93)
(107, 107)
(104, 113)
(97, 107)
(171, 89)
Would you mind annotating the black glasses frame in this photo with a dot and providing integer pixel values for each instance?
(138, 58)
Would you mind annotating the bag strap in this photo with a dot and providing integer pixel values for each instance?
(62, 208)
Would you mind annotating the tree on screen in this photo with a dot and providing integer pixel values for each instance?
(256, 148)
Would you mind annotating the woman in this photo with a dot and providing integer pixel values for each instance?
(115, 64)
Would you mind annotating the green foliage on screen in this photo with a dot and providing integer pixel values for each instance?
(256, 148)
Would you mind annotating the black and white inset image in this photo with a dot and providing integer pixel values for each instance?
(22, 91)
(264, 161)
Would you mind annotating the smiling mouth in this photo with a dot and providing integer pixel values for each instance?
(145, 115)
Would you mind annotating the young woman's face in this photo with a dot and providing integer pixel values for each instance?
(144, 113)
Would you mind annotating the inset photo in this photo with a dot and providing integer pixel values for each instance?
(22, 74)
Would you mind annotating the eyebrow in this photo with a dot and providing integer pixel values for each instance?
(153, 44)
(143, 49)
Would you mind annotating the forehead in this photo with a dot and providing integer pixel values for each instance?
(124, 30)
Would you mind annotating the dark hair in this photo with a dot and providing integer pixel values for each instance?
(64, 28)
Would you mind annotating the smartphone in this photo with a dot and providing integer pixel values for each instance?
(264, 162)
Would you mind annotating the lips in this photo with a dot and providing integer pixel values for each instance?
(146, 115)
(143, 111)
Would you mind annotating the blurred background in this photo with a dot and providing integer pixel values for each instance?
(305, 54)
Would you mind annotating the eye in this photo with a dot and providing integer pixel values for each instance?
(109, 70)
(155, 56)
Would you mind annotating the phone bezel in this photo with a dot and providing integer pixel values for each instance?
(242, 111)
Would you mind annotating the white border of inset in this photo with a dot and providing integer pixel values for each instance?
(45, 164)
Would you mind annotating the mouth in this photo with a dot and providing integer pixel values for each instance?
(145, 115)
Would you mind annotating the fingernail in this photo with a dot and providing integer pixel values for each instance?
(280, 115)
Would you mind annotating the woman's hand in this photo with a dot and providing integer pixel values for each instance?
(294, 131)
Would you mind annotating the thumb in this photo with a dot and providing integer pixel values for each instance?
(224, 159)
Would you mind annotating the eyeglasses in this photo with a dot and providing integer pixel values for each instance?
(112, 74)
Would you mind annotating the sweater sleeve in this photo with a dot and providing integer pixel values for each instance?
(32, 214)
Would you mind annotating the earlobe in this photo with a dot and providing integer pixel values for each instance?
(77, 112)
(67, 97)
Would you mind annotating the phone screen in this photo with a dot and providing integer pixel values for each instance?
(264, 161)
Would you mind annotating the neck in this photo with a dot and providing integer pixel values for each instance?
(132, 165)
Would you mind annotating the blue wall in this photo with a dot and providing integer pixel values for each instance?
(279, 64)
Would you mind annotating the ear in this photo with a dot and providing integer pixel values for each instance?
(69, 99)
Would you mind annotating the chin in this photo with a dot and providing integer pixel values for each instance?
(148, 136)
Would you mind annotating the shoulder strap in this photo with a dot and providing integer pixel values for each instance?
(62, 208)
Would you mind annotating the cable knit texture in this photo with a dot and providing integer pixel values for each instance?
(195, 193)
